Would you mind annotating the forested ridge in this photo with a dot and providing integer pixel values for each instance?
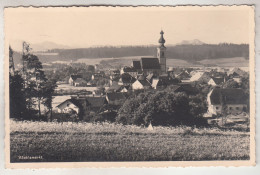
(184, 52)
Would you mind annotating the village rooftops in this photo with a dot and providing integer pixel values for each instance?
(150, 63)
(227, 96)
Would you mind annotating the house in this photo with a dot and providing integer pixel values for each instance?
(141, 83)
(80, 82)
(130, 70)
(69, 106)
(73, 78)
(236, 72)
(234, 100)
(184, 75)
(97, 76)
(118, 88)
(115, 98)
(216, 81)
(163, 81)
(150, 77)
(185, 87)
(202, 77)
(126, 79)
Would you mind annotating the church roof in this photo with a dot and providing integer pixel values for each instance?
(137, 64)
(150, 63)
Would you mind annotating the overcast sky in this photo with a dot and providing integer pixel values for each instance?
(86, 27)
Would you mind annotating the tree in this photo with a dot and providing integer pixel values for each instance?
(17, 98)
(48, 93)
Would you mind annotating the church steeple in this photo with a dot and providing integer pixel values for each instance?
(162, 40)
(161, 53)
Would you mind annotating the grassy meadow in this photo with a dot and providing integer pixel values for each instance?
(65, 142)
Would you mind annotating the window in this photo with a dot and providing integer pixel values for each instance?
(237, 108)
(217, 108)
(230, 108)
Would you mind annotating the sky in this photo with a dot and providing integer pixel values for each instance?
(102, 26)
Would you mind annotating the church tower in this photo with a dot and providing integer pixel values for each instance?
(161, 53)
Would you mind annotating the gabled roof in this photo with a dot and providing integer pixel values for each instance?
(96, 101)
(72, 100)
(183, 74)
(137, 64)
(150, 77)
(74, 77)
(115, 96)
(218, 80)
(150, 63)
(144, 82)
(227, 96)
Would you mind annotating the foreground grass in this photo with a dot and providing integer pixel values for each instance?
(110, 142)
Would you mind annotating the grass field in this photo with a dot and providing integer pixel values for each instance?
(63, 142)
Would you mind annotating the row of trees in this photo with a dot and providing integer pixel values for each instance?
(29, 88)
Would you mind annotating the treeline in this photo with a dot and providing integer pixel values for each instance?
(185, 52)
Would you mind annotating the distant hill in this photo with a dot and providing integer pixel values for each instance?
(191, 42)
(189, 52)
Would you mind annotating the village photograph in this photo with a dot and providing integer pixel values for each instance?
(105, 84)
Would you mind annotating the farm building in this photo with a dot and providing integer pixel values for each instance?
(234, 101)
(73, 78)
(69, 106)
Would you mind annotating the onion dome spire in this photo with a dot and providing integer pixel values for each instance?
(162, 40)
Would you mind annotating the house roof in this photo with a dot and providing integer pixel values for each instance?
(74, 77)
(114, 96)
(228, 96)
(150, 77)
(218, 80)
(137, 64)
(184, 74)
(144, 82)
(72, 100)
(96, 101)
(127, 78)
(150, 63)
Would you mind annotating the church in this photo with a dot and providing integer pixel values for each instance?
(156, 65)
